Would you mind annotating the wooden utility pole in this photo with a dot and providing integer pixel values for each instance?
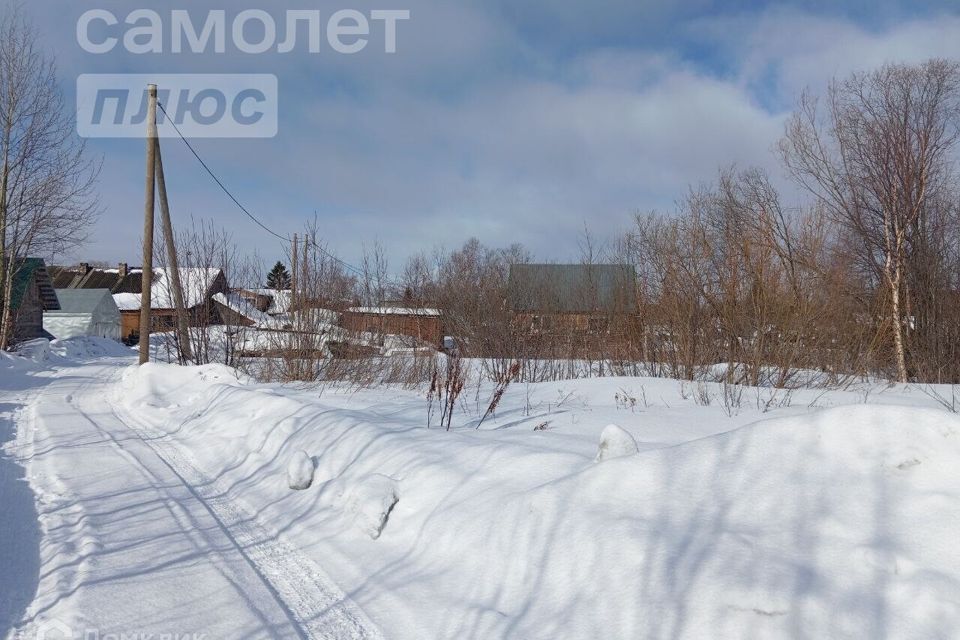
(146, 281)
(292, 339)
(183, 331)
(293, 276)
(304, 273)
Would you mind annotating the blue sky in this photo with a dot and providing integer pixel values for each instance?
(506, 120)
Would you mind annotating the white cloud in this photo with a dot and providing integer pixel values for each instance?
(476, 127)
(797, 50)
(516, 158)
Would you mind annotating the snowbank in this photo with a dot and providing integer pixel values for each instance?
(37, 350)
(87, 347)
(839, 523)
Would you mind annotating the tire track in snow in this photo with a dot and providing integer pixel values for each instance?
(320, 608)
(66, 580)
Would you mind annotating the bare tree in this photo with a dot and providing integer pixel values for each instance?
(47, 200)
(877, 156)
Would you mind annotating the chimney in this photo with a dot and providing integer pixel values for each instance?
(85, 268)
(124, 270)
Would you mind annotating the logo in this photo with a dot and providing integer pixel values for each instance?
(54, 630)
(191, 105)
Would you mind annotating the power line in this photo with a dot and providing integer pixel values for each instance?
(242, 208)
(217, 180)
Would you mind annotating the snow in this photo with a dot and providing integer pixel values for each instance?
(163, 503)
(371, 500)
(280, 299)
(88, 347)
(813, 521)
(615, 443)
(127, 301)
(245, 308)
(36, 350)
(300, 471)
(400, 311)
(196, 283)
(129, 540)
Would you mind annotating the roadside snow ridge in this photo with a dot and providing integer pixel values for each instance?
(319, 607)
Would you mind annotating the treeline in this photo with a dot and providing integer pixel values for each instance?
(862, 279)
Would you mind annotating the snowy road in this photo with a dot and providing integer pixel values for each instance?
(134, 540)
(153, 502)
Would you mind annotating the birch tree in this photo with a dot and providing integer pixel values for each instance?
(47, 198)
(877, 155)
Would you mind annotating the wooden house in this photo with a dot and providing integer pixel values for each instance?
(200, 285)
(125, 283)
(580, 309)
(32, 294)
(421, 323)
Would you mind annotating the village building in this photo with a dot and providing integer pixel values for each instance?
(83, 312)
(262, 299)
(238, 310)
(32, 295)
(425, 324)
(123, 279)
(125, 283)
(580, 309)
(200, 285)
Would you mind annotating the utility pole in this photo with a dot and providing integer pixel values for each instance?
(183, 331)
(146, 281)
(292, 338)
(293, 276)
(305, 265)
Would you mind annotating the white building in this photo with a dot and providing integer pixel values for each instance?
(84, 312)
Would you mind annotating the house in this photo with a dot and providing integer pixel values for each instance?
(238, 310)
(261, 299)
(83, 312)
(125, 283)
(272, 301)
(421, 323)
(584, 307)
(32, 295)
(200, 285)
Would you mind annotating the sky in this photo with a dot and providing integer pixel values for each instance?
(506, 120)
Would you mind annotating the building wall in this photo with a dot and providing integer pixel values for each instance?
(578, 335)
(161, 320)
(202, 315)
(28, 322)
(129, 323)
(231, 318)
(426, 328)
(68, 325)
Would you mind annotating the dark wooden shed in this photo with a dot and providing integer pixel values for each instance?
(32, 294)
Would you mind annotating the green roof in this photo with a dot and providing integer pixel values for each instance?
(572, 288)
(25, 271)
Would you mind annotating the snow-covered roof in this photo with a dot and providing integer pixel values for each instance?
(127, 301)
(196, 283)
(281, 299)
(242, 306)
(398, 311)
